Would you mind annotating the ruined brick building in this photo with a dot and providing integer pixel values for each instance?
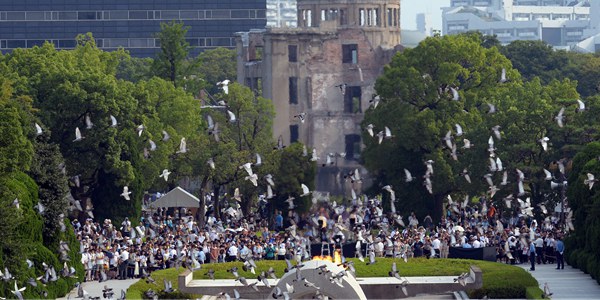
(326, 69)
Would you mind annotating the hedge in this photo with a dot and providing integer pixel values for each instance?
(499, 280)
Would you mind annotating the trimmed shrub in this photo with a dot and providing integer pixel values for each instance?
(582, 259)
(572, 258)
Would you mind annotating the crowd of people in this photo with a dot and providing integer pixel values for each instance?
(162, 240)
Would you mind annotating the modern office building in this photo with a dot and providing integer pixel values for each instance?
(131, 24)
(281, 13)
(561, 23)
(325, 69)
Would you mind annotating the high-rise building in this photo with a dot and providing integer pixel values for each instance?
(422, 23)
(561, 23)
(131, 24)
(281, 13)
(325, 69)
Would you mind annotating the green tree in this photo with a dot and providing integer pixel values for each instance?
(216, 65)
(174, 51)
(47, 172)
(416, 92)
(583, 245)
(70, 86)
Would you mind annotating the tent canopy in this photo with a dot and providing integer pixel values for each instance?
(177, 197)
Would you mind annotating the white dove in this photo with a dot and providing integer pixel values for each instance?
(408, 175)
(504, 178)
(305, 190)
(253, 178)
(467, 143)
(429, 165)
(428, 185)
(17, 291)
(391, 191)
(370, 129)
(499, 164)
(590, 180)
(544, 142)
(88, 122)
(165, 174)
(503, 76)
(211, 163)
(224, 85)
(269, 179)
(78, 136)
(113, 121)
(560, 118)
(455, 95)
(166, 136)
(140, 129)
(269, 192)
(125, 194)
(496, 130)
(314, 155)
(38, 129)
(492, 108)
(459, 130)
(231, 116)
(247, 167)
(182, 146)
(448, 139)
(580, 106)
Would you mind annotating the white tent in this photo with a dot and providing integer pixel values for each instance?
(177, 197)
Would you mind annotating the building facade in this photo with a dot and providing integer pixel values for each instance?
(324, 69)
(560, 23)
(130, 24)
(281, 13)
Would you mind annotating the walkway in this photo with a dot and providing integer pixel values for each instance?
(569, 283)
(94, 288)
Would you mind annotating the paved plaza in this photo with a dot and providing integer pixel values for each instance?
(569, 283)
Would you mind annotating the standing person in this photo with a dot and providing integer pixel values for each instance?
(532, 255)
(123, 259)
(278, 221)
(560, 250)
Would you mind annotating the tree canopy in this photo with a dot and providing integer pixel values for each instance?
(453, 80)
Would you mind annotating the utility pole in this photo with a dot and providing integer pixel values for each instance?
(563, 197)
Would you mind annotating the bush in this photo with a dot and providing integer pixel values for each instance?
(507, 292)
(582, 259)
(533, 292)
(572, 258)
(592, 266)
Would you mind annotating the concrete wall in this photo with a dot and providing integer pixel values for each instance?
(320, 71)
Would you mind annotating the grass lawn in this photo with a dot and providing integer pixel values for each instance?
(498, 279)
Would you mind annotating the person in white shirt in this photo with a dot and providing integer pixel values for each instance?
(435, 244)
(232, 252)
(123, 259)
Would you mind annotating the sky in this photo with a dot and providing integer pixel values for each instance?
(410, 8)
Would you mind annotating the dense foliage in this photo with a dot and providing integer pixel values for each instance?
(25, 231)
(417, 105)
(583, 246)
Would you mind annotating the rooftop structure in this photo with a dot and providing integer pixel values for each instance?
(558, 22)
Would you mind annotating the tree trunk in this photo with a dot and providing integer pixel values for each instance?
(438, 207)
(202, 210)
(216, 204)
